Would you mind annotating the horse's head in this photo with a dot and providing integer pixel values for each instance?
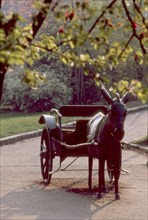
(116, 116)
(117, 113)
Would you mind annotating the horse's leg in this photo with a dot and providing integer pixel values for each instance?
(110, 170)
(101, 177)
(90, 165)
(116, 173)
(117, 169)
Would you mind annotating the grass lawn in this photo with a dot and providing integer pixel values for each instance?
(12, 123)
(15, 122)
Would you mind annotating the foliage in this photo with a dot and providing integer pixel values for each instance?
(87, 38)
(99, 48)
(54, 92)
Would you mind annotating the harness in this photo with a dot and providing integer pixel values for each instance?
(95, 126)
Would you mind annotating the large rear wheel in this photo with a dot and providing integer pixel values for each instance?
(46, 156)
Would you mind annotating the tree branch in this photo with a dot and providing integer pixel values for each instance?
(131, 37)
(51, 49)
(139, 11)
(101, 15)
(0, 4)
(133, 26)
(39, 19)
(129, 17)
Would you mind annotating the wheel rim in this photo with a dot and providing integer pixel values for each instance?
(45, 156)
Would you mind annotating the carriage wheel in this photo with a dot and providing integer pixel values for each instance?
(46, 156)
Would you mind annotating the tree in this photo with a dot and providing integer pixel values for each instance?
(15, 39)
(72, 40)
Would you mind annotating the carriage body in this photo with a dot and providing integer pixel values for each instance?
(66, 140)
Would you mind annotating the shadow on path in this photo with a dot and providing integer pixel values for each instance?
(39, 202)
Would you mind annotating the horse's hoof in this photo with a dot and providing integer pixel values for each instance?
(99, 196)
(117, 197)
(89, 192)
(105, 190)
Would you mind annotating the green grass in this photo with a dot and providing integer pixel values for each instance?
(12, 123)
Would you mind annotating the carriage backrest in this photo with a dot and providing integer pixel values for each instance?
(82, 110)
(85, 111)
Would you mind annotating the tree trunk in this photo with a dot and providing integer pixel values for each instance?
(3, 70)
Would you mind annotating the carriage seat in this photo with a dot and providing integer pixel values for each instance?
(79, 134)
(72, 136)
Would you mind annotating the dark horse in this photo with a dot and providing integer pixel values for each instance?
(107, 131)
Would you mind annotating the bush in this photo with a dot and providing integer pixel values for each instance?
(53, 93)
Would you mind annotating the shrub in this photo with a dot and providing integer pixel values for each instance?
(53, 93)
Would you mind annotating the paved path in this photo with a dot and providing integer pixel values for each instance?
(24, 197)
(136, 126)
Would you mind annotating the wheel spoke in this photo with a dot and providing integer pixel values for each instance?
(45, 156)
(44, 164)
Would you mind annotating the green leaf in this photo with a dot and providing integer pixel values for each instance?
(64, 60)
(139, 53)
(72, 45)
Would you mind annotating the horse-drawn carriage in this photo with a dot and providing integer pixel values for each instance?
(96, 133)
